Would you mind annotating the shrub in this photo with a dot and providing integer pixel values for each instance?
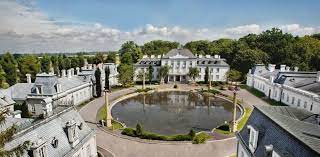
(224, 127)
(129, 132)
(201, 138)
(153, 136)
(192, 133)
(143, 90)
(139, 130)
(175, 86)
(181, 137)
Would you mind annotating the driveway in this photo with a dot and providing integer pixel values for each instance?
(122, 147)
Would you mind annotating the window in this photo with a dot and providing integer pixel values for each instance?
(88, 150)
(283, 96)
(190, 63)
(218, 69)
(287, 98)
(42, 151)
(33, 108)
(311, 107)
(305, 104)
(253, 138)
(292, 102)
(275, 93)
(299, 101)
(217, 77)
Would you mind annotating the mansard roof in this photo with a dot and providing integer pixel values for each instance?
(48, 83)
(149, 61)
(54, 127)
(18, 91)
(179, 52)
(278, 125)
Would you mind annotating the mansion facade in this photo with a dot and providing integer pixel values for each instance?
(291, 87)
(179, 61)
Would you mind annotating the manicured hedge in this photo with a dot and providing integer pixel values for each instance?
(153, 136)
(200, 138)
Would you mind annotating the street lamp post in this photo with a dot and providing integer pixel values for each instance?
(209, 80)
(108, 116)
(234, 129)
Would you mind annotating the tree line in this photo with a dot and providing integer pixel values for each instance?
(271, 46)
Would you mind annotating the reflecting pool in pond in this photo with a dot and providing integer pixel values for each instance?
(173, 112)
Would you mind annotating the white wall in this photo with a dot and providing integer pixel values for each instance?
(88, 149)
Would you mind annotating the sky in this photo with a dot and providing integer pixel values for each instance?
(39, 26)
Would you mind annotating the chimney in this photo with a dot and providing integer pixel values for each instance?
(249, 71)
(159, 56)
(94, 66)
(296, 69)
(318, 76)
(271, 79)
(77, 70)
(69, 73)
(72, 71)
(152, 56)
(208, 56)
(63, 73)
(282, 67)
(216, 56)
(28, 78)
(200, 56)
(89, 66)
(271, 67)
(287, 68)
(145, 56)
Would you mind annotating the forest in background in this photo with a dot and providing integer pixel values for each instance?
(271, 46)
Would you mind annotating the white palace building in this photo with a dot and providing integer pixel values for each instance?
(180, 60)
(292, 87)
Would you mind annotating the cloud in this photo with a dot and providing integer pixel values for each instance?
(25, 29)
(296, 29)
(243, 30)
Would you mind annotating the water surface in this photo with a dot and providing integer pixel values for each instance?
(173, 112)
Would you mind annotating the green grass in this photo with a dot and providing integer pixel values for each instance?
(115, 125)
(244, 119)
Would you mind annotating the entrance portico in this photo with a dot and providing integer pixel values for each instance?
(177, 78)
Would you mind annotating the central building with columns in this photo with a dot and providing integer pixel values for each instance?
(179, 61)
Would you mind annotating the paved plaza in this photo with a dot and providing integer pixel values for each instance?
(125, 147)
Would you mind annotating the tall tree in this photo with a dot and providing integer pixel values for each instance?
(111, 58)
(97, 75)
(9, 65)
(3, 82)
(150, 73)
(233, 75)
(7, 135)
(158, 47)
(74, 62)
(55, 64)
(125, 76)
(66, 62)
(81, 60)
(193, 73)
(99, 58)
(133, 49)
(203, 47)
(45, 64)
(163, 72)
(28, 64)
(206, 75)
(107, 74)
(126, 58)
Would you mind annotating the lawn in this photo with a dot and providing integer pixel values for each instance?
(244, 119)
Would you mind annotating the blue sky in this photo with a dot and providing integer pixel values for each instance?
(98, 25)
(188, 13)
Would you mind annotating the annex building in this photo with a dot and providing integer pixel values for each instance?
(294, 88)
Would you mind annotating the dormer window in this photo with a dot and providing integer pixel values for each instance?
(38, 149)
(38, 89)
(253, 138)
(58, 88)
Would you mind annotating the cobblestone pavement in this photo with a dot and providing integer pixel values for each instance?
(122, 147)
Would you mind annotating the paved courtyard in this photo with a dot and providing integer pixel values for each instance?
(122, 147)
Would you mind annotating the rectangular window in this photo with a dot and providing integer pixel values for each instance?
(287, 98)
(217, 77)
(311, 107)
(88, 150)
(305, 104)
(218, 69)
(283, 96)
(292, 102)
(299, 101)
(253, 138)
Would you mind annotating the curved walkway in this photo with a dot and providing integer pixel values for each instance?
(122, 147)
